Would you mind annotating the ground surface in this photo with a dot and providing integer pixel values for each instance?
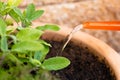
(73, 12)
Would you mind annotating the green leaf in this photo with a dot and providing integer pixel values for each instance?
(30, 11)
(31, 14)
(15, 15)
(27, 46)
(3, 9)
(29, 34)
(2, 27)
(24, 13)
(40, 55)
(4, 45)
(36, 15)
(1, 5)
(18, 12)
(37, 55)
(49, 27)
(45, 43)
(14, 2)
(55, 63)
(13, 58)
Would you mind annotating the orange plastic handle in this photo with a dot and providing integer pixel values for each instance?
(110, 25)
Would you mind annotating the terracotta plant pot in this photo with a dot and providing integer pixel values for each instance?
(100, 48)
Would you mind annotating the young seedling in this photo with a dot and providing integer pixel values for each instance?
(22, 43)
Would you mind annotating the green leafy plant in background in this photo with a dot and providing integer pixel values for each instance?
(21, 45)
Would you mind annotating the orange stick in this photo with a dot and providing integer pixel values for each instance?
(110, 25)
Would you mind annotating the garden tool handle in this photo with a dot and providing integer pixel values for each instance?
(108, 25)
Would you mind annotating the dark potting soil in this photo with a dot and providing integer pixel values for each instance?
(84, 65)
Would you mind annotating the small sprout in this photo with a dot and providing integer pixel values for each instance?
(48, 27)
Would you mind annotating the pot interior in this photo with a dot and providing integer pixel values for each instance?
(85, 64)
